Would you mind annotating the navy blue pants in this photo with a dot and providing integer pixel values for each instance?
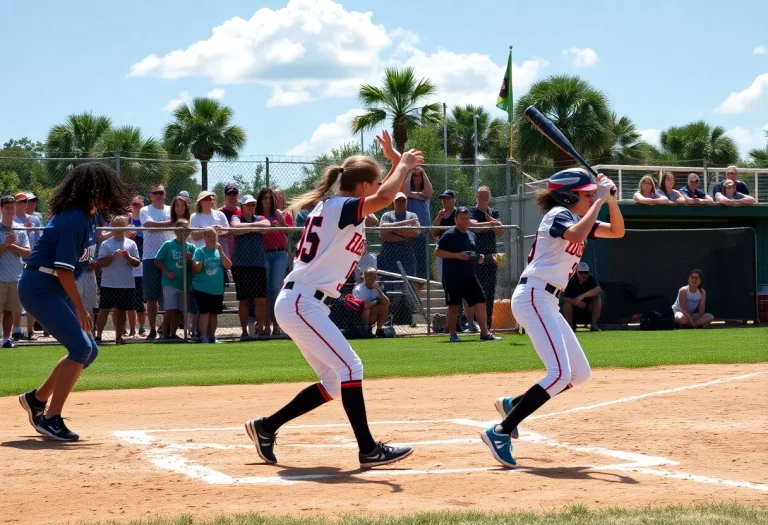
(43, 297)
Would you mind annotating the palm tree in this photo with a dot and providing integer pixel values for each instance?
(127, 141)
(759, 157)
(77, 137)
(402, 100)
(204, 130)
(461, 132)
(580, 111)
(697, 142)
(626, 147)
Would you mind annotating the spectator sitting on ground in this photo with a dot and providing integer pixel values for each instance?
(646, 193)
(692, 193)
(397, 238)
(667, 189)
(367, 260)
(581, 299)
(732, 174)
(691, 303)
(729, 196)
(14, 246)
(376, 303)
(118, 257)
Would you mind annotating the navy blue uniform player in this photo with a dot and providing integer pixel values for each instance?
(47, 287)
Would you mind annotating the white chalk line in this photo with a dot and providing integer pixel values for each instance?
(169, 455)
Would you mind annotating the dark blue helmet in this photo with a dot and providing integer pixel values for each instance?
(564, 184)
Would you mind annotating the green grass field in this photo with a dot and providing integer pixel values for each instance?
(157, 365)
(576, 515)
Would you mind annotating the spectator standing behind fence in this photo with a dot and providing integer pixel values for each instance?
(14, 247)
(118, 257)
(730, 196)
(581, 299)
(397, 239)
(230, 209)
(207, 217)
(376, 303)
(692, 193)
(156, 215)
(86, 283)
(667, 189)
(25, 220)
(647, 194)
(483, 215)
(418, 190)
(138, 310)
(170, 260)
(208, 266)
(732, 174)
(276, 254)
(445, 217)
(249, 266)
(690, 305)
(458, 249)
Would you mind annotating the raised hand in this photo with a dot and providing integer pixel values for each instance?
(604, 187)
(412, 158)
(387, 148)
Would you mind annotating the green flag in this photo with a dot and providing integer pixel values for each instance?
(504, 101)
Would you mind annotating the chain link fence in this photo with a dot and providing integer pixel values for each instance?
(406, 272)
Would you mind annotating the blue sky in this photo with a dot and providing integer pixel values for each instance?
(291, 70)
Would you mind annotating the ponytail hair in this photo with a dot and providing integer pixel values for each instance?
(354, 171)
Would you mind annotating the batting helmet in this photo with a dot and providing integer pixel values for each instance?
(564, 184)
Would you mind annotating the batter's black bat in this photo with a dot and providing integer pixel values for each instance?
(548, 129)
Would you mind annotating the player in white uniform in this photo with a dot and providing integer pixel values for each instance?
(572, 202)
(327, 255)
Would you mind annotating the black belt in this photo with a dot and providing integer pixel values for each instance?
(548, 288)
(320, 296)
(274, 250)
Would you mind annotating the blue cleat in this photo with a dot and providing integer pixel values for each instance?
(454, 338)
(500, 445)
(504, 407)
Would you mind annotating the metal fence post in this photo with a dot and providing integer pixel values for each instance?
(706, 173)
(185, 290)
(508, 182)
(117, 164)
(445, 144)
(267, 173)
(429, 283)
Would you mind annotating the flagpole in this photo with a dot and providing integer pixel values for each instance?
(511, 106)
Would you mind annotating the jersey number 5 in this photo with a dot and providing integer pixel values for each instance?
(311, 239)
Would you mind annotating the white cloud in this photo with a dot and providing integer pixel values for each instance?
(328, 135)
(760, 50)
(748, 99)
(313, 49)
(581, 57)
(651, 135)
(747, 139)
(216, 94)
(172, 104)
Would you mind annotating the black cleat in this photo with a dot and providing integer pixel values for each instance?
(264, 441)
(384, 455)
(35, 409)
(55, 428)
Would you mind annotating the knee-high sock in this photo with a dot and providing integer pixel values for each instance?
(529, 403)
(354, 406)
(305, 401)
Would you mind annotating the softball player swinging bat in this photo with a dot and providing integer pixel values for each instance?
(571, 202)
(327, 255)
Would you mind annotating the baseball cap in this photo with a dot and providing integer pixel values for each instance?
(583, 267)
(248, 199)
(462, 209)
(205, 194)
(184, 193)
(31, 196)
(21, 196)
(692, 177)
(231, 189)
(448, 194)
(400, 195)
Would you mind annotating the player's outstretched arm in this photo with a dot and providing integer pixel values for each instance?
(393, 183)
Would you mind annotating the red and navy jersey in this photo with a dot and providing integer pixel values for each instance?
(552, 258)
(331, 245)
(68, 242)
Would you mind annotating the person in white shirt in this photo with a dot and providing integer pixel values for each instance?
(118, 257)
(376, 307)
(28, 220)
(156, 215)
(208, 216)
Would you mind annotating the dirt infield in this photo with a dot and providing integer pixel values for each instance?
(662, 435)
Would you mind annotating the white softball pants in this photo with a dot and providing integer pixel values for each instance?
(305, 320)
(553, 339)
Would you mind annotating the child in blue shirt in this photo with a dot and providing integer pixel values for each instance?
(47, 288)
(208, 265)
